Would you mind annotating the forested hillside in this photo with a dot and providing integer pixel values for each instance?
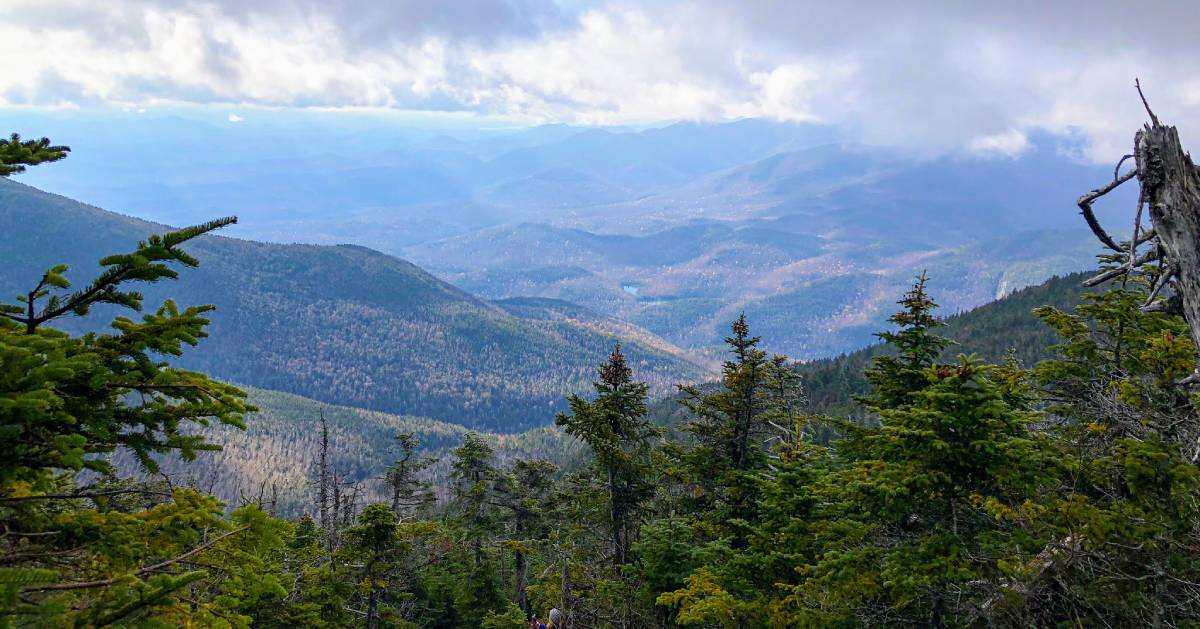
(346, 325)
(674, 228)
(277, 454)
(276, 457)
(993, 332)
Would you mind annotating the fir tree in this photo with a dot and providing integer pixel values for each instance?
(472, 483)
(894, 379)
(615, 427)
(103, 550)
(409, 490)
(729, 427)
(523, 493)
(912, 513)
(375, 552)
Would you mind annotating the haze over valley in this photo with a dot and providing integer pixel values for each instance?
(674, 229)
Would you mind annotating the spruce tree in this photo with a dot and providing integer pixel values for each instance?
(523, 494)
(375, 552)
(16, 154)
(615, 427)
(1119, 538)
(410, 492)
(96, 550)
(895, 378)
(472, 485)
(914, 511)
(728, 428)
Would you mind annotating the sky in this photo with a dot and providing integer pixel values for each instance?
(921, 76)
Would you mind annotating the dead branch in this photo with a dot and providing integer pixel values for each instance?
(1085, 208)
(1153, 119)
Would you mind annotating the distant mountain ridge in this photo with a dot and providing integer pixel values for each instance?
(675, 229)
(344, 324)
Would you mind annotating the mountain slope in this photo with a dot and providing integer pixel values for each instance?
(277, 454)
(341, 324)
(992, 332)
(280, 446)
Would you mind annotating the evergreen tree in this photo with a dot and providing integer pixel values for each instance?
(97, 550)
(16, 154)
(615, 427)
(895, 378)
(1119, 538)
(472, 477)
(723, 475)
(523, 493)
(376, 552)
(410, 492)
(911, 511)
(728, 428)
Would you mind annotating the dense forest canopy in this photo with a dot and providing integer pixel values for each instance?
(1056, 484)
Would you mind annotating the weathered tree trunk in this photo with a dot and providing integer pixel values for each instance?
(323, 478)
(1171, 187)
(519, 578)
(373, 608)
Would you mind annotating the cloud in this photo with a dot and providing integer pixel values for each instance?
(930, 76)
(1010, 144)
(235, 118)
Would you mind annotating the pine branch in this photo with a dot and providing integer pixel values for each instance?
(16, 154)
(85, 495)
(145, 264)
(58, 587)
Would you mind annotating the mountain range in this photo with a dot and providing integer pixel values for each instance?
(346, 324)
(673, 229)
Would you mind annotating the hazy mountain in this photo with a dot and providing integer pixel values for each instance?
(674, 229)
(287, 172)
(346, 324)
(808, 241)
(810, 295)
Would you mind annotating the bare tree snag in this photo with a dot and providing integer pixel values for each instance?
(1171, 186)
(1170, 190)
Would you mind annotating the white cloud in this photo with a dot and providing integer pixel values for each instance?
(235, 118)
(943, 76)
(1009, 144)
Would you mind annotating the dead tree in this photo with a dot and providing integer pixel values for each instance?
(1170, 190)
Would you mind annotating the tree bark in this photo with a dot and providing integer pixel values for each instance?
(519, 570)
(1171, 186)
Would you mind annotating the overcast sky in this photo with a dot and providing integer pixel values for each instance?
(926, 75)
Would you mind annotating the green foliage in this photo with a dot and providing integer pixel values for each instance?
(614, 426)
(960, 493)
(16, 154)
(66, 399)
(511, 618)
(992, 331)
(894, 379)
(113, 551)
